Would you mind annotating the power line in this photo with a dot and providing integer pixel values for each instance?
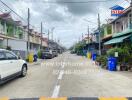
(15, 12)
(11, 10)
(1, 10)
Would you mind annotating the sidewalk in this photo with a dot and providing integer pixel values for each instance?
(36, 63)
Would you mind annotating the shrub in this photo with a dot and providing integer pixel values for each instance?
(111, 52)
(102, 60)
(123, 54)
(40, 54)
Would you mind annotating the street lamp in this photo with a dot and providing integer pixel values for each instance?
(41, 35)
(53, 28)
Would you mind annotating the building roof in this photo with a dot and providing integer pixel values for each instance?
(117, 7)
(5, 15)
(125, 32)
(106, 37)
(117, 40)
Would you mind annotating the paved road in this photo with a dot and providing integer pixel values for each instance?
(71, 76)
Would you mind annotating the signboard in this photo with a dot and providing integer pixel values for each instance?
(117, 10)
(116, 54)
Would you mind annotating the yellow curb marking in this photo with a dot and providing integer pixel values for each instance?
(42, 98)
(113, 98)
(4, 98)
(46, 98)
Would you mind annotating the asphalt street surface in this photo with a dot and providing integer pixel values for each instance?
(68, 75)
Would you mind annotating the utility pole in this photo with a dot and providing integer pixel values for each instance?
(53, 33)
(48, 38)
(88, 35)
(41, 35)
(99, 34)
(88, 38)
(28, 43)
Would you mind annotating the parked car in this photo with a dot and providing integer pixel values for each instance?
(47, 54)
(11, 66)
(72, 52)
(55, 53)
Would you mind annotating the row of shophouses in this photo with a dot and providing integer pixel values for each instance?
(115, 32)
(14, 35)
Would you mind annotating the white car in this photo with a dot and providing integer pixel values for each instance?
(11, 66)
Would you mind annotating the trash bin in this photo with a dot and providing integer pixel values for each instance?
(112, 63)
(89, 55)
(35, 58)
(30, 56)
(94, 56)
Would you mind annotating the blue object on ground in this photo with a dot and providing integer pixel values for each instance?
(94, 56)
(35, 58)
(112, 64)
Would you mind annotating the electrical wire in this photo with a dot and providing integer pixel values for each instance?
(15, 13)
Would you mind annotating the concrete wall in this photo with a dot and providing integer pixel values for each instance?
(18, 46)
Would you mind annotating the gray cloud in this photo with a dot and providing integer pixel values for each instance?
(79, 9)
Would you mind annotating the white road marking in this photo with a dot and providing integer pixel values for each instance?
(63, 66)
(56, 91)
(61, 74)
(57, 87)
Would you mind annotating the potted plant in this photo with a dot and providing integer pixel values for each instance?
(102, 61)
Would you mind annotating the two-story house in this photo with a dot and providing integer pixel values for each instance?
(14, 35)
(121, 28)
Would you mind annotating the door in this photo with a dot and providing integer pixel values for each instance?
(13, 62)
(4, 65)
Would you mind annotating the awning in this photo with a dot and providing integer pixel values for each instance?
(125, 32)
(117, 40)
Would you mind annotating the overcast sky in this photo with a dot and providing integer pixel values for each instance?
(66, 16)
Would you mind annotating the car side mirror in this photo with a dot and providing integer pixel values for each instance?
(19, 57)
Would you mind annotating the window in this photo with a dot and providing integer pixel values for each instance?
(2, 56)
(10, 56)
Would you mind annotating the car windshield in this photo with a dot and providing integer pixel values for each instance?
(65, 49)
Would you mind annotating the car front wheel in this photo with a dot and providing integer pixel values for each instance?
(24, 71)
